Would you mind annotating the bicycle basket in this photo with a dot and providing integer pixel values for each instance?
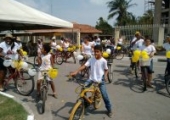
(53, 73)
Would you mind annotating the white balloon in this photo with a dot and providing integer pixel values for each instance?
(108, 51)
(7, 63)
(58, 46)
(32, 72)
(24, 65)
(80, 57)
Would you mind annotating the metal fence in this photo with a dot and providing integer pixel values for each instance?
(156, 32)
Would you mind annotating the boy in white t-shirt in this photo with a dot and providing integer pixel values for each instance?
(98, 69)
(46, 62)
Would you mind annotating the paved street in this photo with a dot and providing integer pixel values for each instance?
(128, 99)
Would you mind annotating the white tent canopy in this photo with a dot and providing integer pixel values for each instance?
(17, 16)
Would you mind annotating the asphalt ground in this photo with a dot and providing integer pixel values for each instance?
(125, 92)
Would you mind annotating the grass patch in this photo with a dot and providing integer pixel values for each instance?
(11, 110)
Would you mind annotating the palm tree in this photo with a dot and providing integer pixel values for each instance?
(147, 18)
(119, 8)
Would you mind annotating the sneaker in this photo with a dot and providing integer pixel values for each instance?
(110, 114)
(150, 86)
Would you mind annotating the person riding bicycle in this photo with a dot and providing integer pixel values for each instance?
(166, 46)
(45, 62)
(98, 73)
(136, 43)
(65, 45)
(150, 49)
(53, 45)
(87, 48)
(8, 50)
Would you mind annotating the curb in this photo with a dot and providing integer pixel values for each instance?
(26, 107)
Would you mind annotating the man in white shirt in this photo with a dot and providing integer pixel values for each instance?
(98, 69)
(136, 43)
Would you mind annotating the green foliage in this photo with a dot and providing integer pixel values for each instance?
(104, 26)
(118, 8)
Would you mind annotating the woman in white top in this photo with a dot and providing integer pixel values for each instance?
(150, 49)
(87, 47)
(66, 43)
(8, 50)
(53, 45)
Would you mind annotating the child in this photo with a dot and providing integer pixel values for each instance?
(98, 69)
(46, 63)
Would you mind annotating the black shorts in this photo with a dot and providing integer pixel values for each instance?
(148, 69)
(2, 67)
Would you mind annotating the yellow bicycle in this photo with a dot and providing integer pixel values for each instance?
(87, 96)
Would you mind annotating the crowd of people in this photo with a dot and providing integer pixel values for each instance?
(91, 49)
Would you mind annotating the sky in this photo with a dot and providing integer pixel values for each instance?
(80, 11)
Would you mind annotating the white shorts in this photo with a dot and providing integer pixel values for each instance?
(41, 77)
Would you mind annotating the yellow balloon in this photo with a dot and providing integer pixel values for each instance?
(145, 57)
(118, 48)
(53, 73)
(105, 55)
(168, 54)
(137, 53)
(143, 53)
(60, 49)
(135, 59)
(24, 53)
(69, 49)
(18, 64)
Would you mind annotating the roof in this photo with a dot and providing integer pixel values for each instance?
(76, 27)
(17, 16)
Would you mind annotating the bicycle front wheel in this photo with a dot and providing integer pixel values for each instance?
(168, 86)
(119, 55)
(43, 97)
(24, 83)
(77, 111)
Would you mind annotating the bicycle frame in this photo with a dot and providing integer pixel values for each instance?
(92, 90)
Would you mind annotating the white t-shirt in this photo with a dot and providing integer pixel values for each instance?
(137, 44)
(97, 68)
(8, 52)
(46, 62)
(149, 49)
(66, 44)
(87, 48)
(53, 45)
(166, 46)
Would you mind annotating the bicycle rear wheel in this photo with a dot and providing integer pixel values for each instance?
(24, 83)
(168, 86)
(77, 111)
(59, 60)
(110, 74)
(119, 54)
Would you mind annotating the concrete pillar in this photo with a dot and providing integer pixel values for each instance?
(117, 34)
(161, 35)
(157, 19)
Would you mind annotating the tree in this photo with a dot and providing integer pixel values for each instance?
(104, 26)
(147, 18)
(119, 8)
